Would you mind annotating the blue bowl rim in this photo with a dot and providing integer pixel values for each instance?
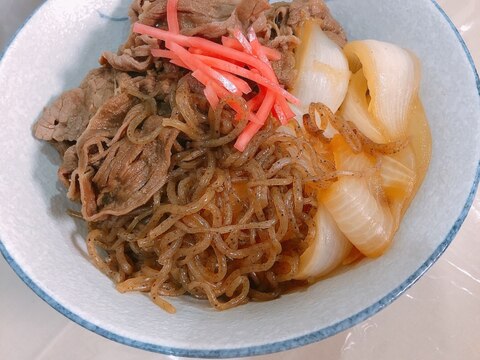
(280, 345)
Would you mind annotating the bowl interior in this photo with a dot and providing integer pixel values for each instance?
(55, 50)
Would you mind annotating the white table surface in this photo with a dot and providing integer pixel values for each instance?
(438, 318)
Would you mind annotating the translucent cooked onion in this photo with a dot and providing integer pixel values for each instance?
(323, 71)
(365, 221)
(392, 75)
(356, 203)
(345, 159)
(355, 108)
(328, 248)
(396, 177)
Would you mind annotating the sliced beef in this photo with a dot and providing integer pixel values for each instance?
(191, 13)
(104, 125)
(206, 18)
(98, 86)
(134, 58)
(68, 116)
(114, 175)
(125, 62)
(285, 68)
(136, 8)
(245, 14)
(69, 164)
(301, 10)
(129, 174)
(65, 119)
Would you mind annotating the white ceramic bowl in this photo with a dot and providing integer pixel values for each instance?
(45, 247)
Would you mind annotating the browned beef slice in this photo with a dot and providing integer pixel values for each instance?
(152, 84)
(285, 69)
(101, 128)
(68, 116)
(136, 7)
(248, 11)
(127, 178)
(129, 174)
(135, 57)
(104, 125)
(301, 10)
(191, 14)
(203, 23)
(125, 62)
(69, 164)
(99, 86)
(64, 119)
(207, 18)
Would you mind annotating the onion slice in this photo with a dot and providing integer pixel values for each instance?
(323, 72)
(397, 178)
(346, 160)
(393, 76)
(355, 108)
(366, 222)
(327, 250)
(360, 213)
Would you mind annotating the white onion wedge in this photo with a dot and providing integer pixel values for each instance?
(323, 72)
(392, 74)
(355, 108)
(365, 219)
(397, 178)
(398, 181)
(346, 160)
(327, 250)
(365, 222)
